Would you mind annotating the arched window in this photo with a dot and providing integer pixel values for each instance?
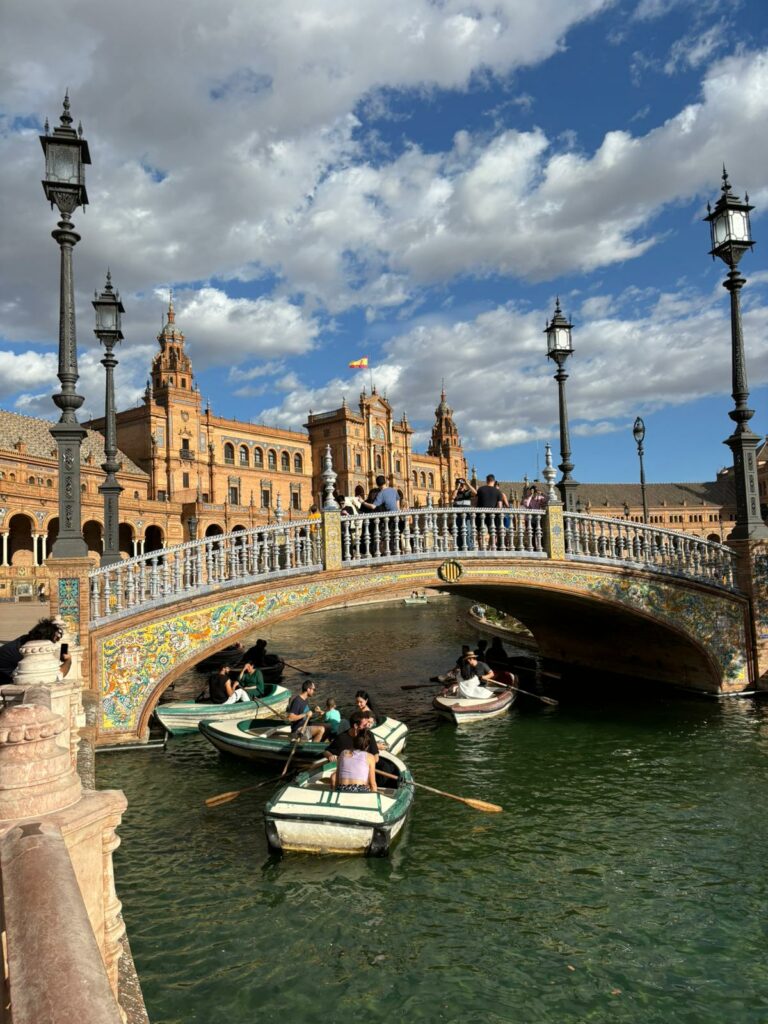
(378, 462)
(398, 466)
(423, 480)
(431, 480)
(83, 488)
(244, 455)
(49, 483)
(272, 459)
(258, 458)
(298, 465)
(31, 480)
(285, 462)
(415, 478)
(229, 454)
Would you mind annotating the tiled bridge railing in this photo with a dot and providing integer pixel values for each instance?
(300, 548)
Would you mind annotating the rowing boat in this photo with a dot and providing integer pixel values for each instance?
(460, 709)
(307, 816)
(184, 716)
(259, 741)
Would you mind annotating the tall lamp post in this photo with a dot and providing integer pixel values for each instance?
(558, 332)
(730, 234)
(66, 153)
(638, 432)
(108, 311)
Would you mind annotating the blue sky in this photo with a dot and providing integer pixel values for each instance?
(415, 182)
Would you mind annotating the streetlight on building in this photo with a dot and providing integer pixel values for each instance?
(558, 332)
(730, 235)
(638, 432)
(192, 523)
(108, 312)
(66, 153)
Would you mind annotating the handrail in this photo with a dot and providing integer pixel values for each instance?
(600, 538)
(229, 559)
(290, 548)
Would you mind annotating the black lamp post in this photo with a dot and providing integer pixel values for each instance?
(730, 233)
(66, 153)
(638, 432)
(558, 332)
(108, 311)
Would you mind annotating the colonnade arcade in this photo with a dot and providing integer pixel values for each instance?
(26, 539)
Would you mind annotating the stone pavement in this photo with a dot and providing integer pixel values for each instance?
(16, 617)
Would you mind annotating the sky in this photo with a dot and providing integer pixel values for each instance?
(414, 181)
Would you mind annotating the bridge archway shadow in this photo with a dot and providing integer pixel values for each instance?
(590, 635)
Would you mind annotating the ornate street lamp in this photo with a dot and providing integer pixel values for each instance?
(66, 153)
(558, 332)
(638, 432)
(730, 233)
(108, 311)
(192, 523)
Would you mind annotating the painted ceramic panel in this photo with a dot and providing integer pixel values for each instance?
(69, 606)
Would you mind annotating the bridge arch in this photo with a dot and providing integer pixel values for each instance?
(677, 631)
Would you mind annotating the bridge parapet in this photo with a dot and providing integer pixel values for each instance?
(593, 538)
(196, 568)
(308, 546)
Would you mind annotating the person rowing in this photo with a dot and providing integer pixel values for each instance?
(474, 673)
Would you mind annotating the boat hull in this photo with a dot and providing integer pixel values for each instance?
(461, 710)
(180, 717)
(265, 744)
(307, 816)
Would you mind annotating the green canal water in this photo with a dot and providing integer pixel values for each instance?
(624, 882)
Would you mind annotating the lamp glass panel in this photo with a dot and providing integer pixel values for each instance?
(739, 226)
(562, 339)
(62, 163)
(720, 228)
(106, 317)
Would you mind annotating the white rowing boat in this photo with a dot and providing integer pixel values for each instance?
(185, 715)
(471, 705)
(307, 816)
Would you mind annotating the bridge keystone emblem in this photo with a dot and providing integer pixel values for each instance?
(451, 571)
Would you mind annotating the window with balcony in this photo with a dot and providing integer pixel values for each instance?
(229, 454)
(298, 465)
(296, 501)
(265, 496)
(272, 459)
(285, 462)
(258, 458)
(234, 496)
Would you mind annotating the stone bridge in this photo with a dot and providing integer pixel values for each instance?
(598, 593)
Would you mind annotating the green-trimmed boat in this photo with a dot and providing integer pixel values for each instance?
(184, 716)
(255, 740)
(307, 816)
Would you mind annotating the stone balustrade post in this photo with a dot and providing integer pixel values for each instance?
(752, 580)
(554, 532)
(331, 539)
(39, 667)
(39, 784)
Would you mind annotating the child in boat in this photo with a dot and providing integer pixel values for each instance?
(356, 768)
(331, 719)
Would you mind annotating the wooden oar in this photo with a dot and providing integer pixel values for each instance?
(297, 669)
(544, 700)
(295, 740)
(233, 794)
(479, 805)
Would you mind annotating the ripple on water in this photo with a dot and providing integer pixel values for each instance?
(624, 880)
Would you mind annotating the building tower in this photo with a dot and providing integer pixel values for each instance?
(445, 445)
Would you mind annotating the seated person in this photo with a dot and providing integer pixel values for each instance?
(225, 688)
(359, 721)
(300, 713)
(363, 703)
(250, 677)
(331, 719)
(473, 674)
(356, 767)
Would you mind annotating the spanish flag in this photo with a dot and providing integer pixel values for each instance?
(358, 364)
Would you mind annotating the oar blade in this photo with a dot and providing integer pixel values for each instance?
(483, 805)
(222, 798)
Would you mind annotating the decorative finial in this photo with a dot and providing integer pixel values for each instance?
(108, 285)
(80, 129)
(47, 127)
(66, 117)
(329, 481)
(171, 310)
(549, 473)
(279, 508)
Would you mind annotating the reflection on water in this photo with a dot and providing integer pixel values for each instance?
(624, 881)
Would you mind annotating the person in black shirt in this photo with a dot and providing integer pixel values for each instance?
(490, 496)
(359, 721)
(225, 690)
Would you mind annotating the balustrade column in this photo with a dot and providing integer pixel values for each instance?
(35, 537)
